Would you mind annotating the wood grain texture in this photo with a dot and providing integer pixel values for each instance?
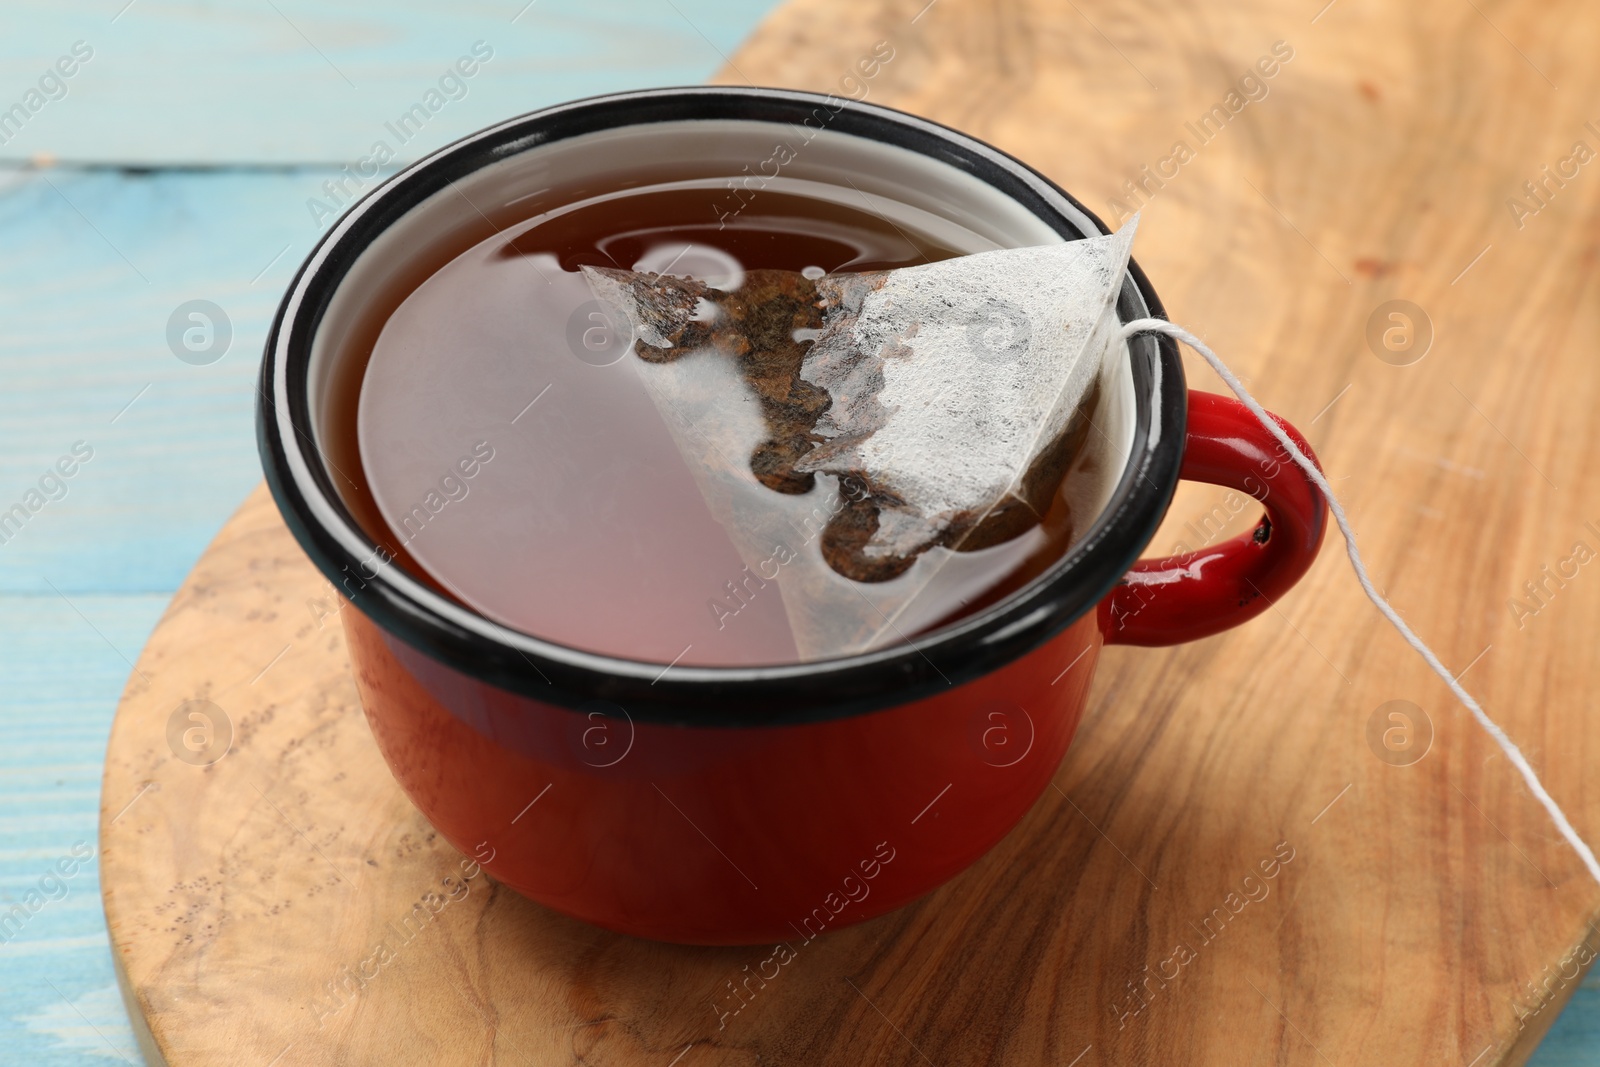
(1430, 912)
(91, 266)
(58, 683)
(1435, 900)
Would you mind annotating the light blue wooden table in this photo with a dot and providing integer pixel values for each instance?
(186, 147)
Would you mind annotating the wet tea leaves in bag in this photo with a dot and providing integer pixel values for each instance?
(877, 416)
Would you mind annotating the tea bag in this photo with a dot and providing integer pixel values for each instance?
(851, 431)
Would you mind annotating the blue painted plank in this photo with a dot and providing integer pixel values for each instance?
(91, 266)
(1574, 1038)
(316, 80)
(60, 673)
(93, 263)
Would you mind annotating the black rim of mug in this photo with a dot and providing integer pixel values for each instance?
(781, 694)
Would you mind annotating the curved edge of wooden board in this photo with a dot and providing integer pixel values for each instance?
(1421, 857)
(255, 533)
(135, 1009)
(112, 806)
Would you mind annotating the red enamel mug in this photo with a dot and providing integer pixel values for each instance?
(724, 805)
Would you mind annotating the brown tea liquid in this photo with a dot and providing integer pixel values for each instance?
(503, 447)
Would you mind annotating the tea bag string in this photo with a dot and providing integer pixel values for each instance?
(1300, 459)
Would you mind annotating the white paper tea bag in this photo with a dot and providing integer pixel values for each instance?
(850, 431)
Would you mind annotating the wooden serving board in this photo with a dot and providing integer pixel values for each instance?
(1421, 908)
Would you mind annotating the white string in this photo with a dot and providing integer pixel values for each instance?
(1507, 746)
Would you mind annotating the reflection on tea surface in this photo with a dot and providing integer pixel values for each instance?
(517, 460)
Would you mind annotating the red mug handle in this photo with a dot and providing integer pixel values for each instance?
(1208, 589)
